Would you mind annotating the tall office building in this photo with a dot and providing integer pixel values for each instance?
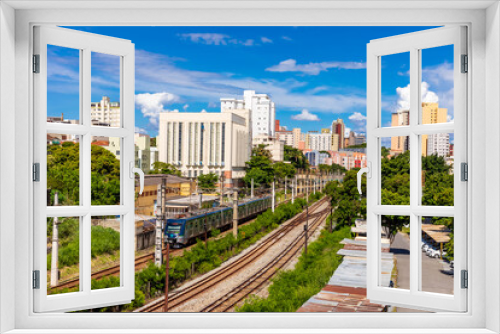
(262, 111)
(338, 127)
(105, 112)
(202, 143)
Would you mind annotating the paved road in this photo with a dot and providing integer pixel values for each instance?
(434, 271)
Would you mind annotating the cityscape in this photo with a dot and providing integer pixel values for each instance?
(244, 210)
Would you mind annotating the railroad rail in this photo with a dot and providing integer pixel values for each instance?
(140, 262)
(181, 296)
(245, 288)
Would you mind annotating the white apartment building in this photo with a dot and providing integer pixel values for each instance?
(142, 152)
(319, 141)
(202, 143)
(105, 112)
(262, 111)
(274, 145)
(286, 137)
(439, 144)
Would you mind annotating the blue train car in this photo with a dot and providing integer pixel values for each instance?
(185, 230)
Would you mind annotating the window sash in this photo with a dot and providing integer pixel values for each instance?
(86, 297)
(413, 43)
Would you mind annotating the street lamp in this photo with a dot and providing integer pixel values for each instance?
(170, 240)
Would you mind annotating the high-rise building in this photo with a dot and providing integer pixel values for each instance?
(105, 112)
(335, 142)
(318, 141)
(202, 143)
(439, 144)
(262, 111)
(338, 127)
(297, 137)
(431, 114)
(325, 130)
(286, 137)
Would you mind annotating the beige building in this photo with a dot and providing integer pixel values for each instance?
(105, 112)
(202, 143)
(431, 114)
(338, 128)
(286, 137)
(297, 137)
(274, 145)
(318, 141)
(335, 142)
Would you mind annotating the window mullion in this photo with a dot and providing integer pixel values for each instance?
(85, 172)
(414, 167)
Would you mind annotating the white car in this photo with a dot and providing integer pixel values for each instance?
(435, 253)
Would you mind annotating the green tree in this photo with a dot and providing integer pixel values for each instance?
(282, 169)
(296, 157)
(260, 167)
(164, 168)
(207, 181)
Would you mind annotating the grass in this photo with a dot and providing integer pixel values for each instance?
(292, 288)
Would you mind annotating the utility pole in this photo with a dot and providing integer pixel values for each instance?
(307, 187)
(305, 237)
(294, 189)
(206, 234)
(160, 216)
(331, 217)
(285, 187)
(235, 214)
(273, 197)
(221, 180)
(251, 189)
(167, 272)
(54, 266)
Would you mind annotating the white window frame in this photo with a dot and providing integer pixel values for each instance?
(484, 101)
(413, 43)
(85, 43)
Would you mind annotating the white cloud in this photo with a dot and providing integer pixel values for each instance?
(155, 72)
(290, 65)
(357, 117)
(152, 105)
(286, 38)
(212, 105)
(203, 110)
(140, 130)
(206, 38)
(266, 40)
(305, 115)
(404, 96)
(347, 132)
(218, 39)
(185, 107)
(436, 75)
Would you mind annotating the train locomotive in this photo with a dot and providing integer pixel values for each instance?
(183, 231)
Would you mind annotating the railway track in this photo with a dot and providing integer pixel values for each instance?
(181, 296)
(247, 287)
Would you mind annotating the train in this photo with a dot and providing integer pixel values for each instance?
(183, 231)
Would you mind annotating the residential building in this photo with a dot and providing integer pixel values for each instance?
(286, 137)
(202, 143)
(142, 152)
(325, 130)
(153, 156)
(335, 142)
(439, 144)
(349, 159)
(318, 141)
(262, 111)
(312, 157)
(274, 145)
(431, 114)
(356, 139)
(105, 112)
(297, 137)
(338, 127)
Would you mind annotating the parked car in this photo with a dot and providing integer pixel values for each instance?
(435, 253)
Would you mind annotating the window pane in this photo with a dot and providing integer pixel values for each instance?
(437, 169)
(105, 107)
(63, 85)
(395, 171)
(437, 85)
(63, 169)
(63, 254)
(105, 251)
(395, 262)
(105, 164)
(395, 90)
(437, 254)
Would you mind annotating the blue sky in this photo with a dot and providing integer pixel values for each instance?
(314, 74)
